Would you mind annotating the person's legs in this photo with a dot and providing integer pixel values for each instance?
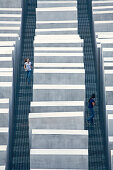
(27, 72)
(90, 119)
(28, 76)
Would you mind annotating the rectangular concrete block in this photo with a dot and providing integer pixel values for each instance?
(56, 31)
(58, 49)
(6, 90)
(4, 104)
(3, 135)
(10, 4)
(3, 150)
(59, 139)
(6, 62)
(109, 95)
(103, 26)
(59, 78)
(56, 13)
(58, 58)
(58, 94)
(103, 15)
(6, 76)
(4, 117)
(57, 120)
(10, 10)
(10, 30)
(111, 159)
(47, 4)
(56, 24)
(56, 169)
(57, 40)
(108, 80)
(110, 139)
(57, 106)
(2, 167)
(101, 3)
(10, 23)
(10, 17)
(68, 158)
(110, 123)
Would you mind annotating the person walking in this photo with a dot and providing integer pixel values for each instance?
(91, 109)
(28, 67)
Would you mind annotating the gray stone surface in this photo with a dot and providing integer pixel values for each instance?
(10, 4)
(58, 95)
(4, 119)
(103, 17)
(7, 44)
(64, 122)
(56, 109)
(3, 138)
(61, 108)
(59, 141)
(59, 161)
(2, 158)
(56, 15)
(55, 25)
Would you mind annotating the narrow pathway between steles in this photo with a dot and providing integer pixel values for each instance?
(21, 152)
(97, 157)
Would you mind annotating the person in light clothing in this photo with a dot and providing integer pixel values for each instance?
(28, 67)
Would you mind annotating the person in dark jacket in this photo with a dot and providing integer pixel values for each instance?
(91, 108)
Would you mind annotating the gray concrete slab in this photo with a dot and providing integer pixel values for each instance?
(57, 32)
(109, 97)
(110, 124)
(62, 78)
(47, 4)
(4, 118)
(58, 94)
(108, 79)
(3, 136)
(10, 10)
(63, 108)
(58, 15)
(59, 139)
(103, 16)
(69, 121)
(104, 26)
(45, 160)
(111, 159)
(71, 58)
(56, 24)
(10, 3)
(10, 17)
(3, 150)
(6, 92)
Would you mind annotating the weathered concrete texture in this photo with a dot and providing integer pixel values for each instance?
(10, 3)
(59, 139)
(111, 154)
(10, 29)
(56, 161)
(56, 122)
(102, 14)
(65, 120)
(2, 155)
(47, 4)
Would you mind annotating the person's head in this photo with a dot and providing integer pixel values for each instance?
(93, 96)
(28, 60)
(25, 60)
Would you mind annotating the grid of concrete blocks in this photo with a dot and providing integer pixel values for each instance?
(56, 121)
(103, 22)
(10, 26)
